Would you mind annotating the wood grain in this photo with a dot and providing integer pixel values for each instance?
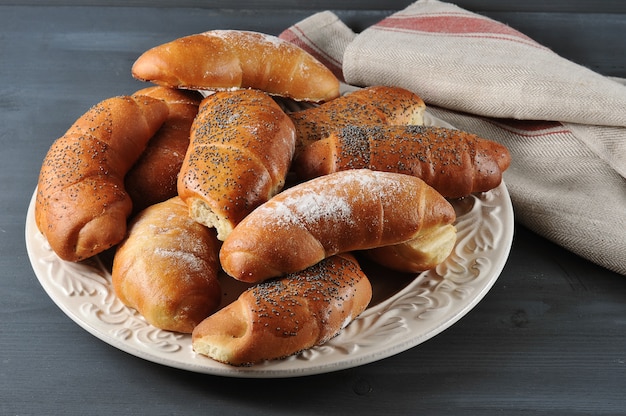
(549, 338)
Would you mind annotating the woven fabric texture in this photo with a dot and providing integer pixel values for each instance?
(564, 124)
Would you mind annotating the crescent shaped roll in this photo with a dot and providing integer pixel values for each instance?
(454, 162)
(153, 177)
(239, 154)
(81, 204)
(167, 267)
(336, 213)
(228, 59)
(284, 316)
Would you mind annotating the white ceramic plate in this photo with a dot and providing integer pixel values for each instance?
(405, 311)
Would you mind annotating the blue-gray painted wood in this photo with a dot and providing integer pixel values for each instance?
(549, 338)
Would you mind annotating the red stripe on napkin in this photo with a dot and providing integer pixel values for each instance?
(299, 38)
(454, 24)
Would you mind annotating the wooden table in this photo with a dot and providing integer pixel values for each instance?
(549, 337)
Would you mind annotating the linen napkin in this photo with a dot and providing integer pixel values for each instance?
(564, 124)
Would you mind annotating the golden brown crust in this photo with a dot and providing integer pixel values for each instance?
(340, 212)
(282, 317)
(229, 59)
(81, 205)
(153, 178)
(453, 162)
(167, 267)
(240, 151)
(372, 106)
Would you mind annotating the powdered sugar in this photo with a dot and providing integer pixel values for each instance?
(330, 197)
(249, 36)
(315, 207)
(274, 40)
(183, 260)
(382, 184)
(276, 213)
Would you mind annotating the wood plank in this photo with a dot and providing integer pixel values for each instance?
(558, 6)
(549, 337)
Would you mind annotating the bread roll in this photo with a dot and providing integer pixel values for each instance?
(167, 268)
(239, 154)
(281, 317)
(336, 213)
(372, 106)
(81, 205)
(228, 59)
(453, 162)
(153, 178)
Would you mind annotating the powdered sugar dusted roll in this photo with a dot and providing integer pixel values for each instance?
(233, 59)
(167, 267)
(337, 213)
